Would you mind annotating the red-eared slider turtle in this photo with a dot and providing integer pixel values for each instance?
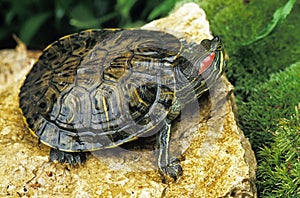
(99, 89)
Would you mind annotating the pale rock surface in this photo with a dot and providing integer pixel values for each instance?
(216, 157)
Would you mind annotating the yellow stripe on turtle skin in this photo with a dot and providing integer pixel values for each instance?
(166, 147)
(221, 65)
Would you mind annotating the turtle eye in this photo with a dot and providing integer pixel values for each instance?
(219, 47)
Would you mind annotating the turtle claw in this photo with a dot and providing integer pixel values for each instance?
(171, 171)
(72, 158)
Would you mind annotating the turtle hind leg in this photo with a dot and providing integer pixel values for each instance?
(72, 158)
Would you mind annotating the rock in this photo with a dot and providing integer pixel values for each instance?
(216, 157)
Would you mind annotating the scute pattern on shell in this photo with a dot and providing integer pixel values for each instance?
(100, 88)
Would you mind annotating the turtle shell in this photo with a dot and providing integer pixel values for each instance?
(100, 88)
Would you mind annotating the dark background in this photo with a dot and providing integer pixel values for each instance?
(39, 22)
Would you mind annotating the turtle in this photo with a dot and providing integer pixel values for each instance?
(102, 88)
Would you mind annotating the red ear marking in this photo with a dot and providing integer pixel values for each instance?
(207, 61)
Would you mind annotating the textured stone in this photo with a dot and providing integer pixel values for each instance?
(216, 157)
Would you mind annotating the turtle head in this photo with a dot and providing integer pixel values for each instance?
(200, 65)
(210, 64)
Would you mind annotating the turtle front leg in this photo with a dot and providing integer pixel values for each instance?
(168, 167)
(72, 158)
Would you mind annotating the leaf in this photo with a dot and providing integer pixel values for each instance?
(31, 26)
(279, 16)
(82, 12)
(93, 23)
(124, 7)
(163, 8)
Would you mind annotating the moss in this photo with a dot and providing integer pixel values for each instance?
(279, 166)
(268, 103)
(261, 118)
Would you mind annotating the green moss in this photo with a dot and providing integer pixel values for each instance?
(268, 103)
(279, 165)
(275, 140)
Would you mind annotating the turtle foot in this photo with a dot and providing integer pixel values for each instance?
(72, 158)
(171, 171)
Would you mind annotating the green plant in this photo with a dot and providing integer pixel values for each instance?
(37, 23)
(268, 103)
(278, 17)
(279, 164)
